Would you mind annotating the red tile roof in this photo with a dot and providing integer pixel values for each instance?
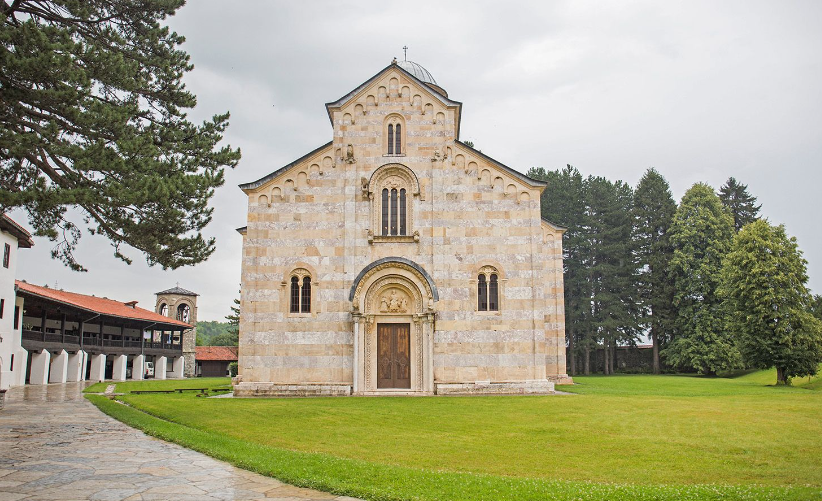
(215, 353)
(101, 305)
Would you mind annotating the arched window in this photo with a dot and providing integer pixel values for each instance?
(392, 189)
(488, 289)
(183, 312)
(493, 293)
(392, 140)
(394, 212)
(300, 292)
(305, 298)
(164, 310)
(295, 295)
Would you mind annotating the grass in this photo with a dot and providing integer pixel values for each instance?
(619, 437)
(160, 384)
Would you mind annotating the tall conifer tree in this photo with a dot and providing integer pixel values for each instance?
(563, 203)
(610, 265)
(701, 236)
(93, 116)
(653, 212)
(739, 202)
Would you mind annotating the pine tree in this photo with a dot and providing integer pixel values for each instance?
(563, 203)
(764, 286)
(700, 234)
(611, 266)
(653, 212)
(739, 202)
(93, 116)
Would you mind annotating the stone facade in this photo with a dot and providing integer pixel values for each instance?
(464, 219)
(177, 303)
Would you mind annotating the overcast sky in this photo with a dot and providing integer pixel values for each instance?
(699, 90)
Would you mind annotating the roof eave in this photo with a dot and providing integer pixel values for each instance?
(534, 183)
(246, 187)
(175, 323)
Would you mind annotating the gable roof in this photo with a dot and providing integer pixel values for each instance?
(24, 240)
(517, 174)
(94, 304)
(256, 184)
(218, 353)
(425, 86)
(177, 290)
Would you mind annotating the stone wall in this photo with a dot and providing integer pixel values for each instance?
(466, 212)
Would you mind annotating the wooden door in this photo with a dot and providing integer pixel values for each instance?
(394, 356)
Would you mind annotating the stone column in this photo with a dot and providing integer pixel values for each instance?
(119, 371)
(40, 363)
(59, 367)
(357, 357)
(98, 367)
(76, 368)
(160, 364)
(428, 336)
(138, 367)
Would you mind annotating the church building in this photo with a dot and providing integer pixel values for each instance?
(396, 259)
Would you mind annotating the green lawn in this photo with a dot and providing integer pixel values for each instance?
(160, 384)
(619, 437)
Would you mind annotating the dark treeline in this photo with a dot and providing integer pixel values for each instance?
(637, 263)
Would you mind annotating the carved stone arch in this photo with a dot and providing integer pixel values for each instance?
(398, 267)
(395, 295)
(393, 177)
(394, 119)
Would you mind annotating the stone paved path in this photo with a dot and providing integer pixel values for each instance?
(55, 445)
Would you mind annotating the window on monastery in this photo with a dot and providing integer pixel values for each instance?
(488, 290)
(394, 211)
(300, 293)
(164, 310)
(6, 255)
(295, 295)
(393, 135)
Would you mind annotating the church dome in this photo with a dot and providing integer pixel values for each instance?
(417, 70)
(422, 75)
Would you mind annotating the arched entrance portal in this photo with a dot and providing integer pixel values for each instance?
(393, 312)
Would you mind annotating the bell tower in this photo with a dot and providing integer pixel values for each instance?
(181, 304)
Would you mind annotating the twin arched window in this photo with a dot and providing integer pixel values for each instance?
(394, 139)
(393, 131)
(394, 212)
(488, 292)
(300, 294)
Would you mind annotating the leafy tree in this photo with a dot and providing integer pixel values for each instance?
(739, 202)
(764, 286)
(653, 212)
(700, 234)
(816, 306)
(93, 116)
